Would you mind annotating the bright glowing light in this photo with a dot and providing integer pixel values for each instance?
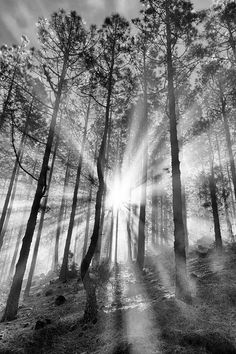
(119, 194)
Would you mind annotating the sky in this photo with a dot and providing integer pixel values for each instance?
(19, 17)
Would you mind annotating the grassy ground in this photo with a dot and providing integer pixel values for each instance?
(137, 312)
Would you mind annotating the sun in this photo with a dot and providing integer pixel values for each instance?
(118, 194)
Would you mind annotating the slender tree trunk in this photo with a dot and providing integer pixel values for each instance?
(116, 239)
(14, 178)
(9, 210)
(97, 254)
(13, 261)
(229, 145)
(184, 207)
(40, 228)
(7, 101)
(185, 218)
(154, 211)
(111, 236)
(136, 217)
(231, 193)
(64, 267)
(99, 244)
(141, 225)
(212, 187)
(142, 215)
(60, 216)
(14, 294)
(129, 236)
(182, 289)
(227, 217)
(87, 222)
(90, 288)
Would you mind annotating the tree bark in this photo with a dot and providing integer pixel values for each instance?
(182, 289)
(14, 294)
(13, 261)
(111, 236)
(86, 235)
(99, 244)
(129, 235)
(229, 144)
(231, 194)
(97, 254)
(212, 187)
(154, 211)
(6, 102)
(116, 239)
(60, 216)
(9, 209)
(40, 228)
(91, 302)
(14, 178)
(142, 219)
(142, 214)
(227, 217)
(64, 267)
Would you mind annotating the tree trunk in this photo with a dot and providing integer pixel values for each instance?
(116, 239)
(154, 211)
(64, 267)
(129, 236)
(9, 210)
(14, 294)
(142, 220)
(227, 217)
(40, 228)
(13, 261)
(111, 236)
(212, 187)
(229, 145)
(182, 289)
(60, 216)
(6, 102)
(97, 254)
(86, 235)
(91, 302)
(99, 244)
(184, 207)
(231, 193)
(142, 214)
(185, 218)
(14, 178)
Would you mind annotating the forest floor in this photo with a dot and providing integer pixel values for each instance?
(137, 312)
